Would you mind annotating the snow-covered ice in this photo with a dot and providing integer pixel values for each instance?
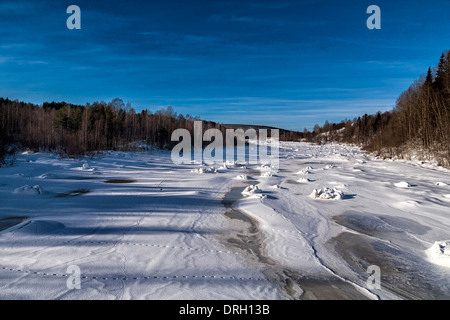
(141, 227)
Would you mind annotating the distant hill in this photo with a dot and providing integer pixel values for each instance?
(285, 135)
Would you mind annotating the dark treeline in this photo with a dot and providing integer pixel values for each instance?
(75, 130)
(419, 125)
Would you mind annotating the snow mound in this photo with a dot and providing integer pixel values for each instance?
(259, 195)
(402, 184)
(230, 164)
(303, 180)
(242, 177)
(85, 167)
(223, 167)
(309, 168)
(204, 170)
(328, 167)
(47, 176)
(276, 186)
(303, 172)
(264, 167)
(250, 190)
(266, 174)
(327, 194)
(439, 253)
(28, 190)
(441, 184)
(447, 196)
(409, 203)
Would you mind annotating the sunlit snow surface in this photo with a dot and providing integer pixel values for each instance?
(140, 227)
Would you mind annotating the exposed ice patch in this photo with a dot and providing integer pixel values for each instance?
(327, 194)
(439, 253)
(28, 190)
(402, 184)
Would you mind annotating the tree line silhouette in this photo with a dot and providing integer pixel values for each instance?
(76, 130)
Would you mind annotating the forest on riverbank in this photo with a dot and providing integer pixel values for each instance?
(417, 128)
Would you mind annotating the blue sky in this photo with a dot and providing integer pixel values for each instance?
(289, 64)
